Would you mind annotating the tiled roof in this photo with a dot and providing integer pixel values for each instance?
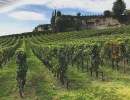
(42, 25)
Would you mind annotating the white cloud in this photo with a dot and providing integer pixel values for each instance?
(8, 5)
(90, 5)
(26, 15)
(7, 29)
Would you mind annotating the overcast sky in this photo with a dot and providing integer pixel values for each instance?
(17, 16)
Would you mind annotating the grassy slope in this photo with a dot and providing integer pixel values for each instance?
(115, 87)
(41, 85)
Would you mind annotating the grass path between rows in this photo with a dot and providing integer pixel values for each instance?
(7, 80)
(40, 85)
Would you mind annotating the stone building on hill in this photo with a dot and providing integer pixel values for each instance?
(43, 27)
(84, 22)
(68, 22)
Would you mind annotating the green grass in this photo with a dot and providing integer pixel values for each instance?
(42, 85)
(115, 87)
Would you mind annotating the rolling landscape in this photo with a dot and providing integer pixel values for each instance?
(74, 57)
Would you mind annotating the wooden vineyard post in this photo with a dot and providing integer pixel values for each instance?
(77, 65)
(91, 71)
(82, 65)
(112, 64)
(57, 75)
(67, 84)
(117, 65)
(72, 63)
(102, 76)
(124, 65)
(96, 73)
(87, 65)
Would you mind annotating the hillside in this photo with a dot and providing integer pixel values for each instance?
(77, 65)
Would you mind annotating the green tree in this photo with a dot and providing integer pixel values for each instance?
(119, 7)
(58, 13)
(107, 13)
(111, 13)
(63, 23)
(46, 27)
(79, 14)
